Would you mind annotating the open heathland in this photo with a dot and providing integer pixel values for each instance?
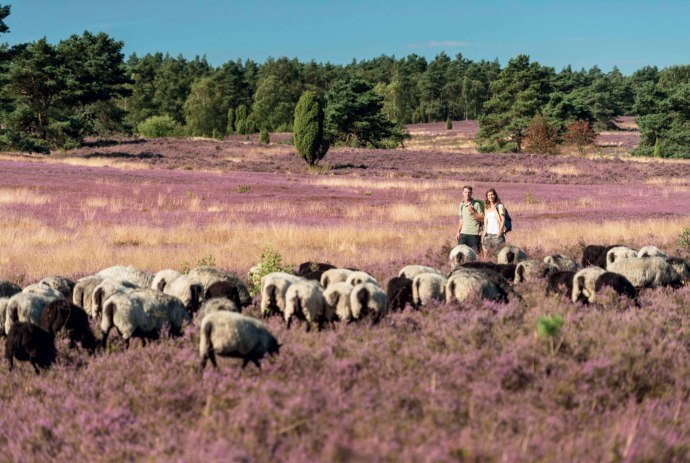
(472, 382)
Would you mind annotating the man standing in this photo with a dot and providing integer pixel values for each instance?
(471, 220)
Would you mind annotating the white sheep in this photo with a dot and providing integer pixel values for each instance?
(584, 283)
(187, 289)
(163, 277)
(531, 269)
(468, 284)
(103, 291)
(64, 285)
(427, 287)
(142, 313)
(274, 286)
(304, 300)
(646, 272)
(618, 253)
(651, 251)
(368, 299)
(459, 255)
(356, 278)
(510, 254)
(215, 304)
(411, 271)
(138, 277)
(561, 263)
(337, 299)
(28, 305)
(335, 275)
(82, 296)
(209, 275)
(232, 334)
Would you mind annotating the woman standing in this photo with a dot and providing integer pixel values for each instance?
(493, 237)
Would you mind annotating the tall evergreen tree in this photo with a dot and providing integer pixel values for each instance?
(310, 142)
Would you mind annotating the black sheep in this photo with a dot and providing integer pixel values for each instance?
(560, 282)
(595, 254)
(62, 315)
(8, 289)
(28, 342)
(313, 270)
(617, 282)
(399, 290)
(224, 289)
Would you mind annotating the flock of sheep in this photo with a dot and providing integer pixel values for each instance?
(140, 304)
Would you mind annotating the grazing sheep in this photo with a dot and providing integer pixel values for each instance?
(619, 253)
(584, 283)
(561, 283)
(617, 282)
(411, 271)
(209, 275)
(681, 266)
(304, 300)
(427, 287)
(399, 291)
(531, 269)
(507, 271)
(42, 290)
(138, 277)
(273, 289)
(216, 304)
(230, 334)
(8, 289)
(63, 285)
(142, 313)
(459, 255)
(368, 299)
(595, 254)
(336, 275)
(466, 284)
(646, 272)
(164, 277)
(561, 262)
(510, 255)
(313, 270)
(187, 289)
(82, 296)
(356, 278)
(337, 300)
(62, 315)
(28, 305)
(29, 343)
(103, 291)
(651, 251)
(223, 289)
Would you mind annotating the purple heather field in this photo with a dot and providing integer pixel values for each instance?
(450, 382)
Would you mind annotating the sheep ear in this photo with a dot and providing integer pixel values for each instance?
(612, 257)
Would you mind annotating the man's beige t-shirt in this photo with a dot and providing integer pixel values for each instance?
(470, 225)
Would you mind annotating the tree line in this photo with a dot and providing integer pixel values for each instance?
(52, 96)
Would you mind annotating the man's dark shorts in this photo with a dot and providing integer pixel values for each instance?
(473, 241)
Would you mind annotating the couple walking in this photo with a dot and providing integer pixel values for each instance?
(481, 226)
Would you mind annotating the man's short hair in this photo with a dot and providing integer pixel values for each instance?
(468, 187)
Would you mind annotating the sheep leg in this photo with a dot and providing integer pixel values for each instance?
(202, 364)
(36, 369)
(10, 361)
(104, 338)
(289, 322)
(308, 329)
(212, 358)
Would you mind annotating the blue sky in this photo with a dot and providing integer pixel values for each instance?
(628, 34)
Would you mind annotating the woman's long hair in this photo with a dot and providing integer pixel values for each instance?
(491, 190)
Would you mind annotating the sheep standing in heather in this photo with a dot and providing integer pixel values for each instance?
(646, 272)
(682, 267)
(274, 286)
(138, 277)
(223, 289)
(337, 300)
(619, 253)
(27, 342)
(531, 269)
(595, 255)
(62, 315)
(313, 270)
(466, 284)
(336, 275)
(63, 285)
(427, 287)
(230, 334)
(356, 278)
(584, 283)
(103, 291)
(304, 300)
(459, 255)
(617, 283)
(411, 271)
(561, 283)
(510, 255)
(209, 275)
(368, 299)
(216, 304)
(651, 251)
(561, 263)
(188, 290)
(507, 271)
(163, 277)
(82, 296)
(399, 291)
(28, 305)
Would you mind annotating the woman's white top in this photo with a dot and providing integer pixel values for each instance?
(492, 222)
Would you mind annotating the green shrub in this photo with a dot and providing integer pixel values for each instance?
(684, 238)
(157, 126)
(264, 137)
(271, 261)
(449, 124)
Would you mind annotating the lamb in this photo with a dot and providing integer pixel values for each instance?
(28, 342)
(427, 287)
(82, 296)
(399, 291)
(560, 282)
(209, 275)
(188, 290)
(304, 300)
(368, 299)
(216, 304)
(163, 277)
(561, 262)
(142, 313)
(313, 270)
(411, 271)
(103, 291)
(273, 289)
(466, 284)
(510, 255)
(646, 272)
(138, 277)
(619, 253)
(531, 269)
(231, 334)
(617, 282)
(584, 283)
(28, 305)
(595, 254)
(335, 275)
(356, 278)
(337, 300)
(63, 285)
(651, 251)
(62, 315)
(459, 255)
(8, 289)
